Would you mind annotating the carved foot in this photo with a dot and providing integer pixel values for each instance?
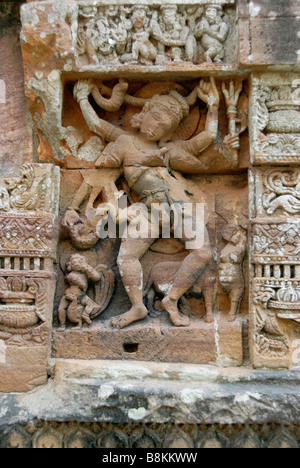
(232, 317)
(209, 317)
(134, 315)
(176, 318)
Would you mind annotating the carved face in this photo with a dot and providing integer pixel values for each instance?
(138, 18)
(169, 16)
(112, 10)
(211, 15)
(157, 124)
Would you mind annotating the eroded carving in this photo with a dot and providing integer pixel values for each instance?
(146, 34)
(76, 305)
(28, 241)
(161, 280)
(277, 192)
(276, 260)
(282, 192)
(231, 274)
(270, 341)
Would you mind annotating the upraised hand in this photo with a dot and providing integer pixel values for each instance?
(83, 89)
(208, 92)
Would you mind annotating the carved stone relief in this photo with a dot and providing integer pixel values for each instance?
(275, 120)
(121, 135)
(28, 241)
(276, 271)
(145, 158)
(142, 103)
(148, 34)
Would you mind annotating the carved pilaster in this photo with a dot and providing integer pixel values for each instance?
(275, 251)
(28, 239)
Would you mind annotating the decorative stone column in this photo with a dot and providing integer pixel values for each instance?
(275, 201)
(28, 239)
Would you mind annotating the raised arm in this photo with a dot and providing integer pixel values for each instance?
(209, 94)
(105, 130)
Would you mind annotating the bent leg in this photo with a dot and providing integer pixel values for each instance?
(236, 296)
(189, 272)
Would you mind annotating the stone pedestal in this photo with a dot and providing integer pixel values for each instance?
(156, 341)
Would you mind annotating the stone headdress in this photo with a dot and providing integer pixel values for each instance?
(174, 104)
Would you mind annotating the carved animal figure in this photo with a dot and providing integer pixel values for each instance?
(231, 271)
(161, 279)
(76, 311)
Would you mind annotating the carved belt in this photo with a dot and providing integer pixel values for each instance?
(149, 193)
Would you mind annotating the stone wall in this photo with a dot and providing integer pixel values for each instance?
(232, 368)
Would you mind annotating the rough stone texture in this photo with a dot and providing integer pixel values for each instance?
(16, 144)
(162, 393)
(155, 341)
(269, 32)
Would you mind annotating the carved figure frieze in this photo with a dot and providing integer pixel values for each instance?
(231, 275)
(152, 35)
(31, 190)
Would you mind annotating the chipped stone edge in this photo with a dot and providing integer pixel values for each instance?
(137, 392)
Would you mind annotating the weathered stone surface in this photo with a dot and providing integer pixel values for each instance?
(143, 393)
(151, 342)
(28, 238)
(230, 342)
(58, 58)
(269, 32)
(23, 369)
(16, 129)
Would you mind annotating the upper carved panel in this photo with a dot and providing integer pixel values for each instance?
(153, 34)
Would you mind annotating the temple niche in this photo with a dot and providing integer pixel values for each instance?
(162, 142)
(140, 106)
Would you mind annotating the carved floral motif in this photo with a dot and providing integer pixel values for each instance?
(28, 239)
